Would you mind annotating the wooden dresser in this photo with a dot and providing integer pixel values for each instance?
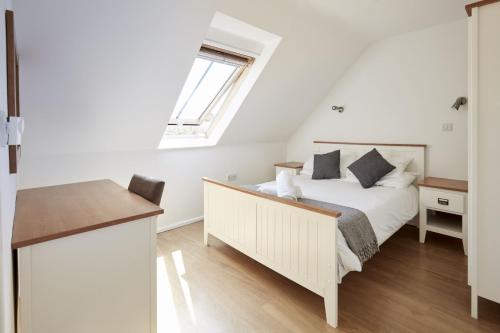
(86, 259)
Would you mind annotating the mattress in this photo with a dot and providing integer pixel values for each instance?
(387, 209)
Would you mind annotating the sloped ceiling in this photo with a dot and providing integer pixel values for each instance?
(105, 75)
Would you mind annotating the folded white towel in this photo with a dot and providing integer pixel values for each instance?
(285, 187)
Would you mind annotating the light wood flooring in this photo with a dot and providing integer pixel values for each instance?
(407, 287)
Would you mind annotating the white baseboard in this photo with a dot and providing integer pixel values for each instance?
(178, 224)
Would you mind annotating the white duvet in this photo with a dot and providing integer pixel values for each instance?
(387, 208)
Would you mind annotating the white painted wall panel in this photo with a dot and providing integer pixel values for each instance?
(103, 280)
(488, 223)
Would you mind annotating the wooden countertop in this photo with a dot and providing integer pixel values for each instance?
(290, 165)
(53, 212)
(445, 184)
(468, 7)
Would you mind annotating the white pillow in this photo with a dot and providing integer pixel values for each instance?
(400, 162)
(350, 177)
(398, 180)
(285, 187)
(345, 161)
(308, 167)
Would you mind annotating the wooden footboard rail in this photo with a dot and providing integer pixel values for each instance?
(294, 239)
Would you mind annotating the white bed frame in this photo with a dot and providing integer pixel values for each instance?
(294, 239)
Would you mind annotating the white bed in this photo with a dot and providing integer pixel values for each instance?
(294, 238)
(387, 209)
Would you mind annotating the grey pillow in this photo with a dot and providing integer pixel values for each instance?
(370, 168)
(327, 166)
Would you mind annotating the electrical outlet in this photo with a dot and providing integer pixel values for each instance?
(447, 127)
(231, 177)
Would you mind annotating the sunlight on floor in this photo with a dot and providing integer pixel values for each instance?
(167, 308)
(166, 313)
(181, 270)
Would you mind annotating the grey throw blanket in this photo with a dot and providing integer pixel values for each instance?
(355, 227)
(353, 224)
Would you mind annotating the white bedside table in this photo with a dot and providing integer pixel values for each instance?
(292, 168)
(443, 208)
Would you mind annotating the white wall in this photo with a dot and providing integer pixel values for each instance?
(7, 200)
(107, 77)
(181, 169)
(106, 71)
(485, 166)
(400, 90)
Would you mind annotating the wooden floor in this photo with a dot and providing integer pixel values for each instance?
(407, 287)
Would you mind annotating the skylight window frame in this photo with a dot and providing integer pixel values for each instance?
(240, 61)
(229, 84)
(229, 34)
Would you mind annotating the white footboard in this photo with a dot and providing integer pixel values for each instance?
(294, 239)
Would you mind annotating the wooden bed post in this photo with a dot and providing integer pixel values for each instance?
(331, 285)
(331, 295)
(331, 303)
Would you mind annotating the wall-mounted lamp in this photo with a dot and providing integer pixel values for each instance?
(340, 109)
(459, 102)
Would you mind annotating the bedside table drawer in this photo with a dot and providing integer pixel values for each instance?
(444, 200)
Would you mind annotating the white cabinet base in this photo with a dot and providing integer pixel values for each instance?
(98, 281)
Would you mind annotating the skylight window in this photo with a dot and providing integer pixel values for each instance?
(210, 83)
(221, 76)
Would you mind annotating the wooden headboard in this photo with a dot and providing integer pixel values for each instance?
(415, 151)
